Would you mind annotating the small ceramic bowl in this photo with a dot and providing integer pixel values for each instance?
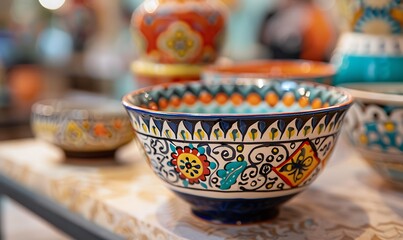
(270, 69)
(237, 152)
(83, 126)
(375, 126)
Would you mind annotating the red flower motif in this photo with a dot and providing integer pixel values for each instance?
(190, 164)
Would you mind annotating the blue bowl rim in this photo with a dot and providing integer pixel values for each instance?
(166, 114)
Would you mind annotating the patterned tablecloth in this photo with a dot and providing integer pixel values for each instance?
(348, 201)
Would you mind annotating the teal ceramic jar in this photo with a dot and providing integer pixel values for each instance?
(368, 58)
(370, 49)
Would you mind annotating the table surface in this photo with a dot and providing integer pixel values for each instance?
(347, 201)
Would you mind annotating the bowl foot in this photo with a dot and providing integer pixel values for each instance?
(237, 218)
(235, 211)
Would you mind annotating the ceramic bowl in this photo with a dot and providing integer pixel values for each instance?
(375, 126)
(83, 126)
(368, 58)
(237, 152)
(270, 69)
(179, 32)
(372, 17)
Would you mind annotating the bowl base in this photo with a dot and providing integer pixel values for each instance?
(237, 218)
(95, 154)
(235, 211)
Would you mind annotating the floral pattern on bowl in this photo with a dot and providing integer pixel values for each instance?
(236, 152)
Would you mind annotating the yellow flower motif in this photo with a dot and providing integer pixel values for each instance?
(86, 124)
(73, 131)
(180, 42)
(363, 139)
(389, 126)
(190, 164)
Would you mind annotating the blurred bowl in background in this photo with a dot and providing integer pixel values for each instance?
(374, 126)
(82, 125)
(149, 73)
(237, 152)
(270, 69)
(368, 58)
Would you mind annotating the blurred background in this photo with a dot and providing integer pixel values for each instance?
(48, 47)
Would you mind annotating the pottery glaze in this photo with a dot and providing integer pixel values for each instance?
(237, 152)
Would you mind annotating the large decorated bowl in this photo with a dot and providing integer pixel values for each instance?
(270, 69)
(375, 127)
(237, 152)
(81, 125)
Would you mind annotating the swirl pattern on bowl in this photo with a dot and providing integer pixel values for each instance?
(227, 146)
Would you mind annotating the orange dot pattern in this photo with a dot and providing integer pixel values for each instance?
(288, 99)
(254, 99)
(189, 99)
(205, 97)
(237, 99)
(221, 98)
(316, 103)
(303, 101)
(175, 101)
(272, 99)
(163, 103)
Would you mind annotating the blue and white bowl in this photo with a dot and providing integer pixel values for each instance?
(237, 152)
(375, 127)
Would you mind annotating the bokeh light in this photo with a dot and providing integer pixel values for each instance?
(52, 4)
